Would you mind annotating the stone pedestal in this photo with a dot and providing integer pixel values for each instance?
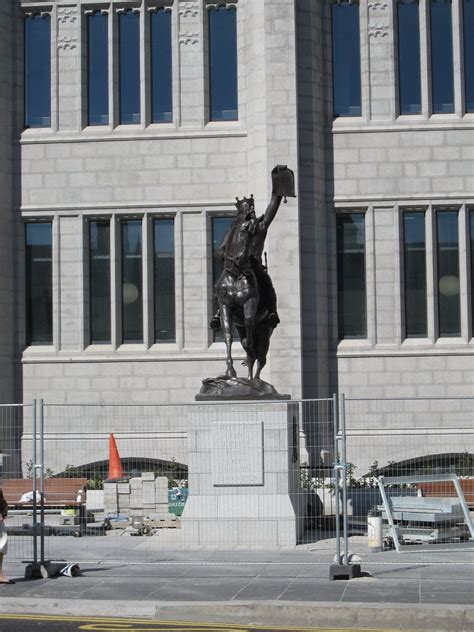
(244, 477)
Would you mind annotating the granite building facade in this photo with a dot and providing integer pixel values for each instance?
(117, 181)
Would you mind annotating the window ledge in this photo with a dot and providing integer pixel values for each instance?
(163, 347)
(354, 343)
(99, 348)
(131, 347)
(39, 349)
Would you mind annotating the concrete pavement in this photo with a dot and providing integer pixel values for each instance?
(414, 590)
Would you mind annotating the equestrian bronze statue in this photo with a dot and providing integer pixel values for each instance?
(244, 290)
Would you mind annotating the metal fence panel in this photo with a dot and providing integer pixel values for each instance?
(233, 475)
(16, 476)
(411, 444)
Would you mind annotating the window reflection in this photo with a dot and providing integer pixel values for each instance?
(161, 87)
(471, 218)
(468, 29)
(39, 283)
(351, 284)
(38, 71)
(346, 59)
(409, 57)
(449, 316)
(414, 247)
(163, 268)
(97, 69)
(223, 64)
(99, 281)
(442, 85)
(129, 67)
(220, 226)
(132, 293)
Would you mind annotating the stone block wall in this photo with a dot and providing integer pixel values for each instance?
(144, 495)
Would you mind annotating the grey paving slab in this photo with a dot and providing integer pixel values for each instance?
(262, 588)
(302, 590)
(215, 589)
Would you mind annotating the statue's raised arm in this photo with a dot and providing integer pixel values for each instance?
(283, 186)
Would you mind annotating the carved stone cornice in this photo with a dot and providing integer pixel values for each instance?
(188, 38)
(67, 15)
(66, 42)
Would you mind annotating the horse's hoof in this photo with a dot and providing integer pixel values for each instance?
(215, 322)
(230, 374)
(273, 320)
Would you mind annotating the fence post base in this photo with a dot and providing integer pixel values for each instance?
(43, 570)
(344, 571)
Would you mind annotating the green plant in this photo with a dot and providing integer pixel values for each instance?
(96, 482)
(48, 473)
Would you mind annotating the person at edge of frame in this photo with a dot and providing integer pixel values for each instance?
(3, 537)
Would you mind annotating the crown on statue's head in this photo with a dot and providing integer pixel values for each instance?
(245, 200)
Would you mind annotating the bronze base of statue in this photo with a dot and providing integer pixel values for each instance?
(237, 388)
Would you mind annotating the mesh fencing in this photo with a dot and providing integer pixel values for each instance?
(239, 475)
(403, 459)
(16, 476)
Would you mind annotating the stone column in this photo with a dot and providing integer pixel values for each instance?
(68, 68)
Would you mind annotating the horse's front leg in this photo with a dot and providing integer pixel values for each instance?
(250, 310)
(226, 319)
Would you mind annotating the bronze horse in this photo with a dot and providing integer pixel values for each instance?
(244, 290)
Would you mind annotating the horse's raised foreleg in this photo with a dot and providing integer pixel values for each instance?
(226, 319)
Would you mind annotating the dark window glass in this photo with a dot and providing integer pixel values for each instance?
(38, 71)
(99, 281)
(132, 292)
(351, 291)
(471, 217)
(442, 85)
(220, 226)
(223, 64)
(346, 59)
(129, 52)
(449, 315)
(39, 283)
(468, 20)
(161, 97)
(414, 249)
(97, 69)
(163, 270)
(409, 57)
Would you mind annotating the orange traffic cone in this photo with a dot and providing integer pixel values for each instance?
(115, 467)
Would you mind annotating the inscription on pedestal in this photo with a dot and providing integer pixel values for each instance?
(237, 453)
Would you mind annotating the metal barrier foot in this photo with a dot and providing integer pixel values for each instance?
(344, 571)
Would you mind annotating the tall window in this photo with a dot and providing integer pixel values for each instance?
(99, 281)
(351, 284)
(220, 226)
(471, 232)
(449, 316)
(468, 28)
(38, 71)
(442, 84)
(163, 271)
(39, 283)
(414, 250)
(97, 69)
(161, 91)
(223, 64)
(129, 67)
(346, 59)
(132, 273)
(409, 57)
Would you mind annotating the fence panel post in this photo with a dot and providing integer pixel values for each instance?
(342, 416)
(335, 416)
(41, 469)
(35, 517)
